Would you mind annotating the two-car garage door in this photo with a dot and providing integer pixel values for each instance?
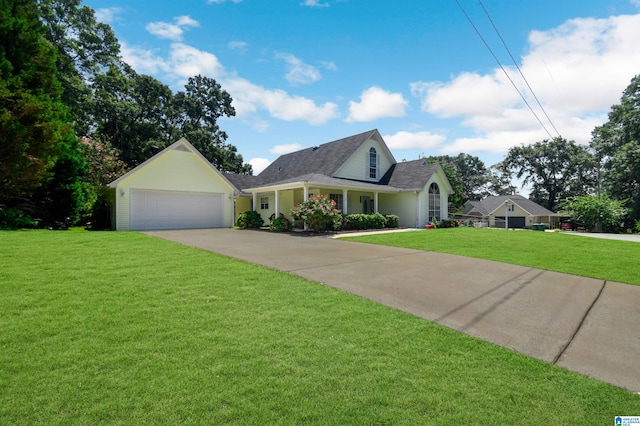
(176, 210)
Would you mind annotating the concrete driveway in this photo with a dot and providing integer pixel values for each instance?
(583, 324)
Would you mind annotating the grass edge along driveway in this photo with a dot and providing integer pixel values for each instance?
(610, 260)
(122, 328)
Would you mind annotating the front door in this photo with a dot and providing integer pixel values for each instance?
(367, 205)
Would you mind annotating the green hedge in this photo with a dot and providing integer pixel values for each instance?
(360, 221)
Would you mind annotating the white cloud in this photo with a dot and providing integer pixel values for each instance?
(314, 3)
(299, 72)
(332, 67)
(249, 97)
(413, 140)
(259, 164)
(171, 31)
(186, 21)
(165, 30)
(577, 70)
(285, 149)
(238, 45)
(144, 61)
(107, 14)
(377, 103)
(186, 61)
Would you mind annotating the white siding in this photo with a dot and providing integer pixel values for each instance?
(173, 170)
(357, 167)
(402, 204)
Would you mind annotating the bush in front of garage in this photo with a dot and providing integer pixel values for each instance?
(249, 220)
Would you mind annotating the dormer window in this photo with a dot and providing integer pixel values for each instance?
(373, 163)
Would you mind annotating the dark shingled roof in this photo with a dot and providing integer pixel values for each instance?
(409, 175)
(325, 159)
(319, 164)
(243, 181)
(491, 203)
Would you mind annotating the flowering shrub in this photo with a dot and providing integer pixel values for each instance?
(319, 212)
(104, 164)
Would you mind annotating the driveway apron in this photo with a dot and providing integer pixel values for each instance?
(582, 324)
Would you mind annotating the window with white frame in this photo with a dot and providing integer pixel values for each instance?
(264, 203)
(434, 202)
(373, 163)
(339, 199)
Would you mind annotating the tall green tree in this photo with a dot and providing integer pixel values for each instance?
(556, 169)
(198, 108)
(85, 48)
(473, 174)
(617, 147)
(33, 118)
(135, 113)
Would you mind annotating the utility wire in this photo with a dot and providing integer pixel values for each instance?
(518, 67)
(501, 67)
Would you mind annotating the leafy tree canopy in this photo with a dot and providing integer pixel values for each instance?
(588, 210)
(617, 146)
(136, 113)
(556, 169)
(470, 178)
(33, 118)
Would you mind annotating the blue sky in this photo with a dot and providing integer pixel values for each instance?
(305, 72)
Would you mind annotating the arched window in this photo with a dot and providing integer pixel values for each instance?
(373, 163)
(434, 202)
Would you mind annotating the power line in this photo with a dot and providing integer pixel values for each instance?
(518, 67)
(501, 67)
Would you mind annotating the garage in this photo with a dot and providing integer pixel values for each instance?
(175, 210)
(175, 189)
(516, 222)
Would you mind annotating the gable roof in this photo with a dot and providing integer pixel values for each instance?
(180, 145)
(324, 159)
(410, 175)
(490, 204)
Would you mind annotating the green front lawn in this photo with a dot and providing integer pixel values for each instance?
(554, 251)
(122, 328)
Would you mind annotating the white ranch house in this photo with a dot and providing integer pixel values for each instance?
(178, 188)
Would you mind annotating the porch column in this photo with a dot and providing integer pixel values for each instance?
(306, 198)
(375, 202)
(417, 209)
(344, 202)
(255, 202)
(277, 204)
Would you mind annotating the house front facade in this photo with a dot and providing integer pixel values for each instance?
(179, 188)
(509, 211)
(358, 172)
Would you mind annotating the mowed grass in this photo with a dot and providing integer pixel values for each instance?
(554, 251)
(122, 328)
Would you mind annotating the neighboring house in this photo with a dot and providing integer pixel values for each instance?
(178, 188)
(175, 189)
(519, 211)
(358, 172)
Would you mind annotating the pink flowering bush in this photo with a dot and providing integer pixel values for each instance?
(319, 212)
(104, 164)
